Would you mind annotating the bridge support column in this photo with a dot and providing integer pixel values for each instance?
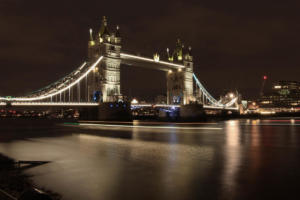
(117, 111)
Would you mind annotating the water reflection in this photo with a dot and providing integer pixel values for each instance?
(236, 160)
(173, 166)
(232, 156)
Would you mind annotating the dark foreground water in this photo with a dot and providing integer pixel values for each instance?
(237, 159)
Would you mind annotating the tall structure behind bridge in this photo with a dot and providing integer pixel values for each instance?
(104, 82)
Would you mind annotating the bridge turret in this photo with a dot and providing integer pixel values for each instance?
(118, 35)
(109, 44)
(104, 35)
(105, 80)
(115, 38)
(188, 55)
(180, 82)
(170, 57)
(91, 37)
(178, 51)
(91, 47)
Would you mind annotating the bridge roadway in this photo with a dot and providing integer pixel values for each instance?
(139, 61)
(47, 105)
(92, 104)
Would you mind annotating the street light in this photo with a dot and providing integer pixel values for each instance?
(134, 101)
(231, 95)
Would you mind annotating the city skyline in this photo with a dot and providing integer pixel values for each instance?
(36, 41)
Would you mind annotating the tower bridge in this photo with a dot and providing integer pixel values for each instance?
(97, 80)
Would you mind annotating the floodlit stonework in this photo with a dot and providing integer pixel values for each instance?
(106, 78)
(104, 82)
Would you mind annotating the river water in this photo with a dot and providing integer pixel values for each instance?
(236, 159)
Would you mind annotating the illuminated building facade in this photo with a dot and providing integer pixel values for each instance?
(180, 82)
(285, 94)
(104, 83)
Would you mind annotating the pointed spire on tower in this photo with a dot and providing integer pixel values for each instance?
(188, 55)
(118, 31)
(190, 51)
(170, 57)
(91, 35)
(91, 42)
(104, 29)
(178, 50)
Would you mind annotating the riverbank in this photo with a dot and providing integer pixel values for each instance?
(13, 181)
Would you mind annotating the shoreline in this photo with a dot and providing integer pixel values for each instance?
(14, 182)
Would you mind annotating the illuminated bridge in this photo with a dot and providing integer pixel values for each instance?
(97, 80)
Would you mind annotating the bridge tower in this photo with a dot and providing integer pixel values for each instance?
(180, 82)
(104, 82)
(188, 77)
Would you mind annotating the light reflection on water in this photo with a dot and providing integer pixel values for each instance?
(231, 163)
(234, 161)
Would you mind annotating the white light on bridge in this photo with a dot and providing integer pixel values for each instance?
(156, 57)
(53, 104)
(134, 101)
(151, 60)
(47, 95)
(267, 112)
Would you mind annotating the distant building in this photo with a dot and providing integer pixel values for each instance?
(285, 96)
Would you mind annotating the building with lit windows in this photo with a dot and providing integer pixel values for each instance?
(285, 97)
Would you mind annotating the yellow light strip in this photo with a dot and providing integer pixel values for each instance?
(150, 127)
(225, 108)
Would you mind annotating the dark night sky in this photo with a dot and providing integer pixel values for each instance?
(234, 42)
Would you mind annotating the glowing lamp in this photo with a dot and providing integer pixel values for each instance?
(265, 77)
(134, 101)
(156, 57)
